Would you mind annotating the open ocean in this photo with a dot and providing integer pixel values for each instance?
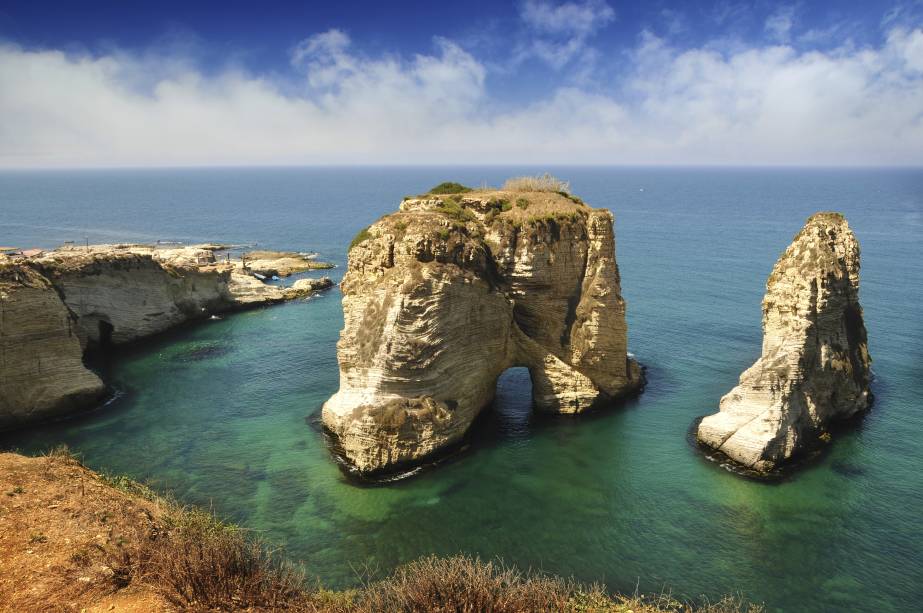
(224, 414)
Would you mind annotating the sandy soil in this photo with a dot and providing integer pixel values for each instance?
(64, 538)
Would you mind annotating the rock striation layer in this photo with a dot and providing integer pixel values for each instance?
(56, 304)
(444, 295)
(122, 293)
(814, 367)
(42, 374)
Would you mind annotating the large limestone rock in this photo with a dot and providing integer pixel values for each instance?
(41, 360)
(814, 367)
(443, 296)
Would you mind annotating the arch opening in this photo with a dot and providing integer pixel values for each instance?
(513, 406)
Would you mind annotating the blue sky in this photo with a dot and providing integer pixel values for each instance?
(534, 81)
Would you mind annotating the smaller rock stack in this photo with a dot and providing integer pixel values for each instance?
(814, 368)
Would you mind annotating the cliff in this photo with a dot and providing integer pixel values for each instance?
(814, 367)
(121, 293)
(444, 295)
(57, 303)
(41, 360)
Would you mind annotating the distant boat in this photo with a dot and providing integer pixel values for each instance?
(259, 276)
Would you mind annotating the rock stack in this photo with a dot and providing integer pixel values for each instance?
(444, 295)
(814, 367)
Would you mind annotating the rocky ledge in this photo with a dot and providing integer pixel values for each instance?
(444, 295)
(56, 304)
(814, 367)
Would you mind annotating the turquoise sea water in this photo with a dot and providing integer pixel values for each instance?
(224, 414)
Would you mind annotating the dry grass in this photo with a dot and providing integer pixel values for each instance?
(162, 556)
(462, 583)
(205, 563)
(538, 183)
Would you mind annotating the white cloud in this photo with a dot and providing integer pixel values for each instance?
(558, 33)
(779, 24)
(908, 47)
(762, 105)
(570, 18)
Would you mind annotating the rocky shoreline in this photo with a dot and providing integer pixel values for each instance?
(57, 304)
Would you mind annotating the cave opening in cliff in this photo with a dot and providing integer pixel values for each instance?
(513, 403)
(105, 334)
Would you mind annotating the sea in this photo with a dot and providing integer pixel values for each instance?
(224, 414)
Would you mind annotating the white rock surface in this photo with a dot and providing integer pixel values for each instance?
(814, 366)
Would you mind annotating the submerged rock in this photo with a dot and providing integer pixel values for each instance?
(443, 296)
(814, 368)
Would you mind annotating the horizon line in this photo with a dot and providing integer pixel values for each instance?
(535, 165)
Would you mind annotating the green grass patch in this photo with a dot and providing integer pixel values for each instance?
(450, 187)
(522, 203)
(454, 210)
(361, 237)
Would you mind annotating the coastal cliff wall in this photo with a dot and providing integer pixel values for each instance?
(444, 295)
(122, 293)
(41, 359)
(58, 303)
(814, 367)
(120, 296)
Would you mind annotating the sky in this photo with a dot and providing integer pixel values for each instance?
(663, 82)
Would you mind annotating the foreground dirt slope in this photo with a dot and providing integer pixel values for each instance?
(72, 540)
(63, 537)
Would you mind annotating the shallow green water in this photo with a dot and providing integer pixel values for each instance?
(224, 414)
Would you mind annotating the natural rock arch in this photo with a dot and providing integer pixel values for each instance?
(443, 296)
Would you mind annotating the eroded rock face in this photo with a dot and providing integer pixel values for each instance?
(814, 367)
(123, 294)
(443, 296)
(41, 360)
(58, 303)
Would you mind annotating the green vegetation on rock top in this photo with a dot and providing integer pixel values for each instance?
(456, 211)
(363, 235)
(450, 187)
